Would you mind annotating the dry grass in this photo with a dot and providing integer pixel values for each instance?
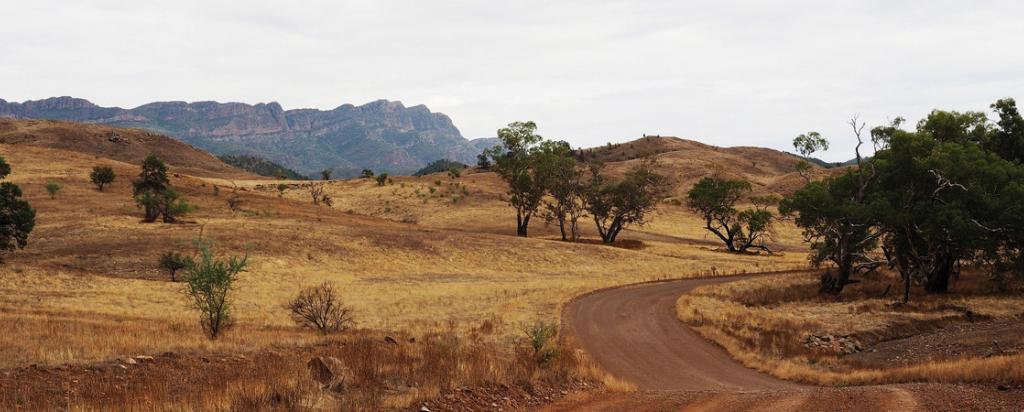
(766, 322)
(88, 286)
(383, 377)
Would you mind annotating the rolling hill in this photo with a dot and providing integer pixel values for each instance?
(121, 144)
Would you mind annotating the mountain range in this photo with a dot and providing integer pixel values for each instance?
(382, 135)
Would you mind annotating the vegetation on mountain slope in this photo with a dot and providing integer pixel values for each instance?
(261, 166)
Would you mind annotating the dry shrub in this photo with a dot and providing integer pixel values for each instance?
(321, 308)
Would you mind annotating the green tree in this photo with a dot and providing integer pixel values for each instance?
(714, 198)
(810, 143)
(807, 144)
(1007, 140)
(151, 182)
(52, 188)
(563, 179)
(366, 174)
(326, 174)
(514, 161)
(617, 205)
(835, 217)
(382, 179)
(209, 281)
(955, 127)
(153, 194)
(838, 226)
(483, 161)
(17, 218)
(939, 204)
(102, 176)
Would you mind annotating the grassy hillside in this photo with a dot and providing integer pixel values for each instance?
(110, 143)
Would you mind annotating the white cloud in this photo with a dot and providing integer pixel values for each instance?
(727, 73)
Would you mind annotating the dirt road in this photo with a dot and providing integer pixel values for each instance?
(633, 333)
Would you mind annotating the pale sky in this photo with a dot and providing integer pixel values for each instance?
(723, 72)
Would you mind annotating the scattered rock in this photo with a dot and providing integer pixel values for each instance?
(424, 409)
(144, 359)
(1003, 388)
(843, 345)
(131, 361)
(391, 340)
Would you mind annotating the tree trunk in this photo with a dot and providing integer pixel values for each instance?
(561, 226)
(906, 288)
(522, 223)
(938, 279)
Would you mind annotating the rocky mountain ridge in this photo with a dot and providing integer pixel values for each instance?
(381, 135)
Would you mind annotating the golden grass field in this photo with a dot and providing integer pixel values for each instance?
(88, 288)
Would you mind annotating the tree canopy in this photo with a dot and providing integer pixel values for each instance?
(17, 218)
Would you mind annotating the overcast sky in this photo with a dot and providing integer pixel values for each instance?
(724, 72)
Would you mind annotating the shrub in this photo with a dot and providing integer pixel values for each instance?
(321, 308)
(326, 174)
(319, 194)
(173, 262)
(52, 188)
(280, 189)
(209, 281)
(102, 176)
(234, 201)
(540, 337)
(366, 174)
(382, 179)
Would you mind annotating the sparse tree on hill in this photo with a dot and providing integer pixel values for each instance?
(153, 194)
(515, 162)
(102, 176)
(382, 179)
(321, 308)
(366, 174)
(564, 181)
(281, 187)
(17, 218)
(173, 262)
(617, 205)
(714, 198)
(808, 144)
(326, 174)
(52, 188)
(209, 280)
(483, 161)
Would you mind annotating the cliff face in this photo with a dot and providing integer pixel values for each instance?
(381, 135)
